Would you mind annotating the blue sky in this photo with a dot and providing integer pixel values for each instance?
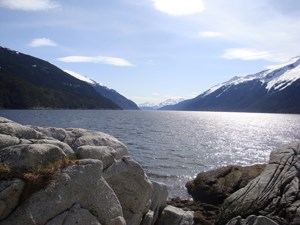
(152, 50)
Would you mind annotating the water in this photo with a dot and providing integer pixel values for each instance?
(173, 147)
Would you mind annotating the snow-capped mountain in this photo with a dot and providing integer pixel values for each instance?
(276, 89)
(111, 94)
(153, 106)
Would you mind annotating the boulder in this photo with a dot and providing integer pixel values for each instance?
(76, 137)
(132, 187)
(214, 186)
(63, 146)
(53, 132)
(175, 216)
(158, 198)
(274, 193)
(75, 215)
(26, 157)
(10, 193)
(103, 153)
(81, 186)
(17, 130)
(8, 140)
(252, 220)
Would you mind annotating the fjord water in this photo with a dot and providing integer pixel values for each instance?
(173, 147)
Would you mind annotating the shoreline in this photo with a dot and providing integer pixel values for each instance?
(94, 165)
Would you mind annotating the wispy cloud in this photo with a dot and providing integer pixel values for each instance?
(29, 5)
(251, 54)
(210, 34)
(179, 7)
(96, 59)
(39, 42)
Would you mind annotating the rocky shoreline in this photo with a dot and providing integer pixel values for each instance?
(58, 176)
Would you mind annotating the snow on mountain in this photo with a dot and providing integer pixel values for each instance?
(80, 77)
(171, 101)
(106, 92)
(276, 77)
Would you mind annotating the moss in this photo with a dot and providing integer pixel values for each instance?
(35, 179)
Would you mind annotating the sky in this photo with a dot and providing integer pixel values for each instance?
(153, 50)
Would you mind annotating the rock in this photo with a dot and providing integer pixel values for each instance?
(204, 214)
(274, 193)
(76, 215)
(63, 146)
(53, 132)
(80, 137)
(148, 218)
(78, 184)
(17, 130)
(30, 156)
(103, 153)
(158, 198)
(76, 137)
(132, 187)
(175, 216)
(10, 192)
(215, 186)
(8, 140)
(252, 220)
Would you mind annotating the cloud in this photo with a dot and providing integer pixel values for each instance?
(29, 5)
(179, 7)
(96, 59)
(39, 42)
(210, 34)
(251, 54)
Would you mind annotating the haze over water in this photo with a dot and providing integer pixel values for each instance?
(173, 147)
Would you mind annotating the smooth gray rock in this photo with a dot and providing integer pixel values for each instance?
(30, 156)
(133, 188)
(53, 132)
(82, 184)
(63, 146)
(273, 193)
(80, 137)
(252, 220)
(18, 130)
(77, 137)
(75, 215)
(103, 153)
(10, 192)
(175, 216)
(148, 218)
(158, 198)
(8, 140)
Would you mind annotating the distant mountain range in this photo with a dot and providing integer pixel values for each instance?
(276, 90)
(28, 82)
(151, 106)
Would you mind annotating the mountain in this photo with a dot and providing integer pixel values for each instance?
(29, 82)
(151, 106)
(111, 94)
(276, 90)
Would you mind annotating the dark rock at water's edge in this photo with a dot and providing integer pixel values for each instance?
(257, 195)
(214, 186)
(275, 193)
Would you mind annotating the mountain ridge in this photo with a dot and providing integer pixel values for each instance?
(27, 82)
(109, 93)
(275, 90)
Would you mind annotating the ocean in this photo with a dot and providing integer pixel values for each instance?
(173, 147)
